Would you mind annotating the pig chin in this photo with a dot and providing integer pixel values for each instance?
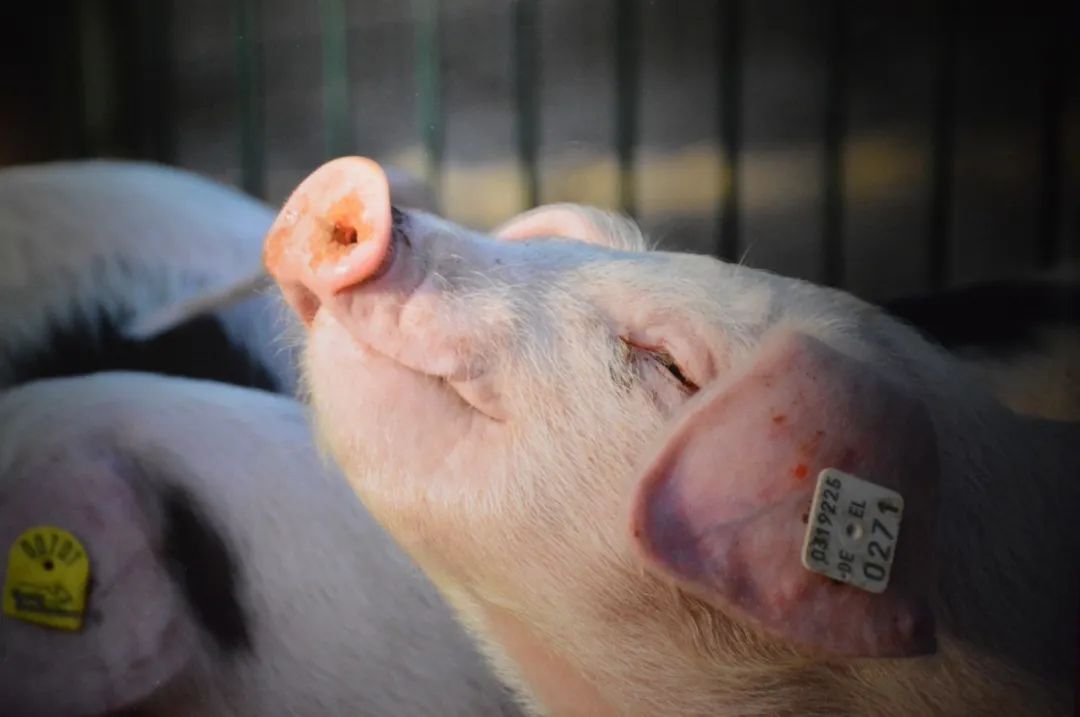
(368, 406)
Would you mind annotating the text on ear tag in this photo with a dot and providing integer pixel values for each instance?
(48, 572)
(852, 530)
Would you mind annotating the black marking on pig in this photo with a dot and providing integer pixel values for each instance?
(397, 217)
(1000, 316)
(199, 560)
(198, 349)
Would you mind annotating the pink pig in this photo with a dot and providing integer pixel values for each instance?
(605, 458)
(233, 573)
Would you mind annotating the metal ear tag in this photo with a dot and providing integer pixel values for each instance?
(852, 530)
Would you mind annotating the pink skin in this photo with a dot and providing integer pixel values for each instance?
(327, 235)
(711, 527)
(562, 428)
(430, 373)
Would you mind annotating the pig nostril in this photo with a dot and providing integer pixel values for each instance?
(343, 234)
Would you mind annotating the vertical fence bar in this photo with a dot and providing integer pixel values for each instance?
(835, 113)
(249, 78)
(627, 91)
(99, 79)
(69, 134)
(938, 254)
(1052, 130)
(427, 64)
(337, 136)
(730, 124)
(151, 117)
(526, 34)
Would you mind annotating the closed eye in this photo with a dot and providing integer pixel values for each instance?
(662, 358)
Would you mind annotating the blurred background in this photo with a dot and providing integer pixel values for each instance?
(882, 147)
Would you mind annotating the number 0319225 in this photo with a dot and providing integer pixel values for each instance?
(852, 530)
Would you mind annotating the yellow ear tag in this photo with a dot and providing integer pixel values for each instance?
(48, 572)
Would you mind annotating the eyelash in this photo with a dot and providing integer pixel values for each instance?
(664, 359)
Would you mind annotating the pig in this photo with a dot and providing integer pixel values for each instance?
(90, 248)
(612, 460)
(233, 572)
(116, 264)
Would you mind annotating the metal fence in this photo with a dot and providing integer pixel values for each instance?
(141, 82)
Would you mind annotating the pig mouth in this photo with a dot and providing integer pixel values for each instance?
(468, 383)
(472, 394)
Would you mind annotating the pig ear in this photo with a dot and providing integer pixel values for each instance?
(724, 506)
(131, 637)
(171, 315)
(572, 221)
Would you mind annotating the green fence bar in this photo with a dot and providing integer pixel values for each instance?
(832, 234)
(337, 134)
(249, 77)
(939, 254)
(627, 91)
(729, 77)
(427, 64)
(526, 34)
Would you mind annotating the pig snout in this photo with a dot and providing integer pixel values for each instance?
(390, 284)
(335, 232)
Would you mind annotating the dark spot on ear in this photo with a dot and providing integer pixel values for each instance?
(200, 562)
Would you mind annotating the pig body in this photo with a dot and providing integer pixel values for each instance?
(89, 249)
(605, 459)
(234, 573)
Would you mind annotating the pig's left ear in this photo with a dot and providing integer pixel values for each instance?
(726, 506)
(573, 221)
